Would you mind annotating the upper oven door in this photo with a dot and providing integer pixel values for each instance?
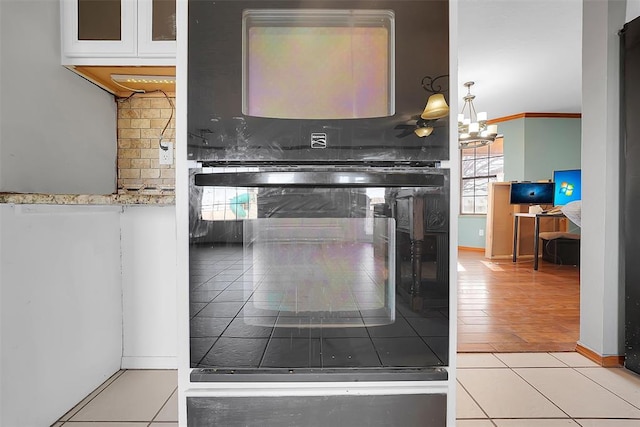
(331, 81)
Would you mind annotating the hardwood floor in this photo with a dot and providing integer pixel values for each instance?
(508, 307)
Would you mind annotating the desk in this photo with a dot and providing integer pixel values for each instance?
(536, 232)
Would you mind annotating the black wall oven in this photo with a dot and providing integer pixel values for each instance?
(323, 81)
(324, 275)
(318, 230)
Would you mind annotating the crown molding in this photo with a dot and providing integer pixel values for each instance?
(536, 116)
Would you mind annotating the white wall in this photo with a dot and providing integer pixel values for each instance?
(601, 321)
(1, 107)
(60, 312)
(633, 9)
(57, 130)
(149, 287)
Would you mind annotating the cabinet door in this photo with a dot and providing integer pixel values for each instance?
(99, 27)
(157, 28)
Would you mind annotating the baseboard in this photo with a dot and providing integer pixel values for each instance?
(149, 362)
(503, 257)
(469, 248)
(605, 361)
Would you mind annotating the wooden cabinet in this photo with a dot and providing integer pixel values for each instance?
(499, 230)
(118, 32)
(499, 236)
(422, 246)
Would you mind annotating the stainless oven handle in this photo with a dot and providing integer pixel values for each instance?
(321, 179)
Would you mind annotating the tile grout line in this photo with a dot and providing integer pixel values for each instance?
(175, 390)
(541, 393)
(601, 385)
(474, 401)
(575, 368)
(106, 384)
(270, 337)
(491, 420)
(566, 366)
(219, 336)
(557, 358)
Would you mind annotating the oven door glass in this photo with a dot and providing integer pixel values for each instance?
(316, 273)
(347, 54)
(318, 277)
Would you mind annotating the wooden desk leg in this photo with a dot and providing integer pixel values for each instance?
(536, 237)
(416, 258)
(515, 236)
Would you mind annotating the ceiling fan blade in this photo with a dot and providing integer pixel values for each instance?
(405, 132)
(404, 126)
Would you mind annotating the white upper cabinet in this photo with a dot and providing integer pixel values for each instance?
(118, 32)
(157, 28)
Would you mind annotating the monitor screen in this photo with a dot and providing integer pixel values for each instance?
(568, 187)
(531, 193)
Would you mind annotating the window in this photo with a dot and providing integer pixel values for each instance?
(228, 203)
(480, 166)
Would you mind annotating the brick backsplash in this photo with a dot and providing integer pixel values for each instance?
(141, 119)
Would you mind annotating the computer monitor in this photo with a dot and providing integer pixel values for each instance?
(568, 186)
(531, 193)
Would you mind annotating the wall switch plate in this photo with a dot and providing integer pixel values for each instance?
(166, 156)
(481, 232)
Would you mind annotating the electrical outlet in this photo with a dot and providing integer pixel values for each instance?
(166, 156)
(481, 232)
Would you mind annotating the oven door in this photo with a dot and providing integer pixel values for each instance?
(319, 275)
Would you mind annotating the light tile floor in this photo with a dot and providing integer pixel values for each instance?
(544, 390)
(494, 390)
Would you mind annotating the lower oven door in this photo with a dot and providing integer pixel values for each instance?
(319, 276)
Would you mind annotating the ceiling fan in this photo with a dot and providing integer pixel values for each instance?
(418, 126)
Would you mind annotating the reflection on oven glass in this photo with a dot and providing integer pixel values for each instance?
(316, 272)
(318, 277)
(346, 54)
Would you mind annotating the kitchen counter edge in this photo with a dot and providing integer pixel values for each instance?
(87, 199)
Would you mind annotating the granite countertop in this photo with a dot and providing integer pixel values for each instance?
(88, 199)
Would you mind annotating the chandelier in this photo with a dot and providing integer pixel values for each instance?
(474, 131)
